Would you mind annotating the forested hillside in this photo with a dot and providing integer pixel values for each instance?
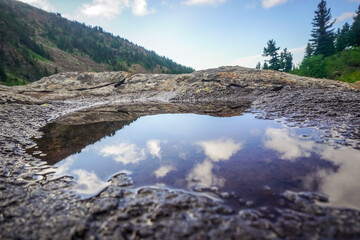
(35, 43)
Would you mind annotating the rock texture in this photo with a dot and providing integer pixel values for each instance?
(34, 207)
(220, 84)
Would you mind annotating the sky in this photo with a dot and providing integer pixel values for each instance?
(205, 33)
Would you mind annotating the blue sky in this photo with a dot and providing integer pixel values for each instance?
(205, 33)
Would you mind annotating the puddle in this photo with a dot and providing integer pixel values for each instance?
(237, 159)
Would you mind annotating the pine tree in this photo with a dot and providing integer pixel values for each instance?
(258, 65)
(265, 66)
(355, 29)
(309, 51)
(343, 38)
(322, 34)
(286, 59)
(271, 51)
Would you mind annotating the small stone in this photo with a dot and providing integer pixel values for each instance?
(267, 190)
(225, 195)
(289, 195)
(249, 214)
(249, 203)
(198, 188)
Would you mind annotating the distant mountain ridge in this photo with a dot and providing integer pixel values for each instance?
(35, 43)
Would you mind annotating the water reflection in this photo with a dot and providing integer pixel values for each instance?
(220, 150)
(287, 144)
(124, 153)
(62, 140)
(163, 171)
(154, 148)
(340, 183)
(202, 175)
(238, 154)
(88, 183)
(215, 151)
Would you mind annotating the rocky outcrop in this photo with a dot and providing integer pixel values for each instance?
(33, 207)
(225, 83)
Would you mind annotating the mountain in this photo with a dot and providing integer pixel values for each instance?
(35, 43)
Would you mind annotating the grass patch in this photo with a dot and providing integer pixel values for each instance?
(36, 56)
(14, 80)
(352, 77)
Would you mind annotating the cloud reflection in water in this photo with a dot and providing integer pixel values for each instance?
(163, 171)
(124, 152)
(287, 144)
(339, 184)
(215, 151)
(88, 183)
(154, 148)
(220, 150)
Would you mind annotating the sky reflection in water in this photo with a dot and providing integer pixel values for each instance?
(235, 154)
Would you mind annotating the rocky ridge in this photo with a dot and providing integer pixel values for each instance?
(33, 207)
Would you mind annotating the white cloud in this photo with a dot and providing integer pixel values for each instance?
(43, 4)
(163, 171)
(88, 182)
(202, 175)
(109, 9)
(139, 7)
(203, 2)
(125, 153)
(344, 16)
(63, 168)
(340, 185)
(288, 145)
(154, 148)
(103, 8)
(218, 150)
(272, 3)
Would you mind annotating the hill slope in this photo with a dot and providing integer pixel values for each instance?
(35, 43)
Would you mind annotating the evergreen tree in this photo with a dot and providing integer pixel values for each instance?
(271, 51)
(265, 66)
(343, 38)
(322, 34)
(258, 65)
(286, 59)
(309, 51)
(355, 29)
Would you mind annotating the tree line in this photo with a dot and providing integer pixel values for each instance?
(280, 62)
(329, 53)
(103, 47)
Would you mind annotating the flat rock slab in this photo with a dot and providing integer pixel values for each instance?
(39, 208)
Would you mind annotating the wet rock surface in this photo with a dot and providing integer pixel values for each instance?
(34, 206)
(336, 112)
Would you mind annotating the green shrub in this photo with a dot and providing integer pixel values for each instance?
(344, 66)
